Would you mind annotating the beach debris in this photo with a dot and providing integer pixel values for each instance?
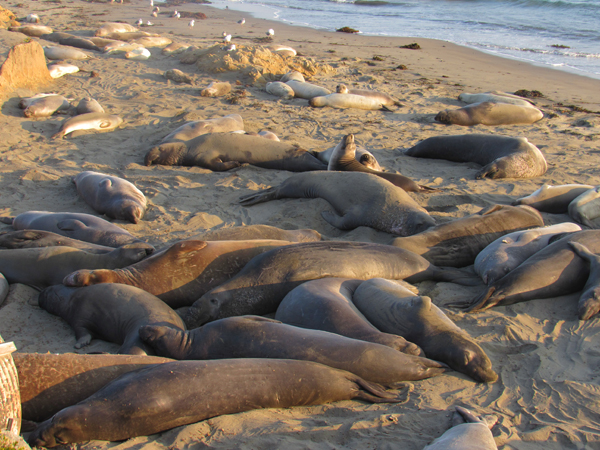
(413, 46)
(559, 46)
(529, 94)
(178, 76)
(347, 30)
(237, 95)
(401, 67)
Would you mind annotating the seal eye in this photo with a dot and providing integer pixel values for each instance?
(214, 301)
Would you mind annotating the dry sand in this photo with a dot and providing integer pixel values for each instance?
(547, 395)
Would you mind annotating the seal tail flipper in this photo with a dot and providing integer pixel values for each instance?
(7, 220)
(427, 189)
(471, 305)
(266, 195)
(385, 108)
(490, 171)
(374, 393)
(588, 306)
(455, 275)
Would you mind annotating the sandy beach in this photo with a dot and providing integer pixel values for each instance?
(547, 395)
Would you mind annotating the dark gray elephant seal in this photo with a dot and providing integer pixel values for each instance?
(394, 309)
(468, 432)
(224, 151)
(84, 227)
(4, 288)
(169, 395)
(40, 238)
(248, 232)
(258, 337)
(589, 302)
(488, 113)
(112, 312)
(457, 243)
(326, 305)
(500, 156)
(343, 159)
(261, 285)
(359, 199)
(553, 199)
(110, 195)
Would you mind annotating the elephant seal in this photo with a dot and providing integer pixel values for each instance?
(292, 75)
(60, 69)
(225, 151)
(89, 105)
(114, 27)
(138, 54)
(50, 382)
(326, 305)
(344, 101)
(258, 337)
(589, 302)
(190, 130)
(553, 271)
(45, 106)
(84, 227)
(553, 199)
(110, 195)
(249, 232)
(32, 29)
(488, 113)
(216, 89)
(25, 102)
(457, 243)
(305, 90)
(394, 309)
(112, 312)
(586, 207)
(509, 251)
(500, 156)
(175, 48)
(178, 76)
(65, 53)
(183, 272)
(152, 41)
(4, 288)
(89, 121)
(384, 99)
(56, 36)
(468, 432)
(158, 398)
(45, 266)
(359, 199)
(343, 159)
(40, 238)
(79, 42)
(280, 89)
(493, 97)
(261, 285)
(363, 156)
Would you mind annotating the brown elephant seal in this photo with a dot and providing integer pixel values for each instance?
(458, 242)
(249, 232)
(363, 156)
(553, 271)
(394, 309)
(191, 130)
(112, 312)
(344, 159)
(45, 106)
(494, 97)
(110, 195)
(384, 99)
(586, 207)
(64, 53)
(553, 199)
(89, 121)
(183, 272)
(261, 285)
(344, 101)
(178, 76)
(488, 113)
(305, 90)
(169, 395)
(500, 156)
(89, 105)
(589, 302)
(326, 305)
(50, 382)
(84, 227)
(258, 337)
(468, 432)
(31, 29)
(40, 238)
(46, 266)
(79, 42)
(225, 151)
(359, 199)
(216, 89)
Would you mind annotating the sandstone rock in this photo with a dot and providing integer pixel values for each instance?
(25, 67)
(7, 18)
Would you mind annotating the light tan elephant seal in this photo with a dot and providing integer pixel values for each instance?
(487, 113)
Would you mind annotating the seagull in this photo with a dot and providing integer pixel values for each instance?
(242, 22)
(175, 14)
(231, 48)
(270, 32)
(149, 24)
(139, 22)
(224, 33)
(227, 38)
(151, 2)
(191, 24)
(154, 14)
(157, 9)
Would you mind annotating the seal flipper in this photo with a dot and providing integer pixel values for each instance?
(375, 393)
(71, 225)
(589, 302)
(7, 220)
(337, 221)
(218, 165)
(83, 336)
(266, 195)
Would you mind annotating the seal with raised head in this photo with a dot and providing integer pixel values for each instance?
(250, 232)
(40, 238)
(261, 285)
(468, 432)
(586, 207)
(225, 151)
(359, 199)
(110, 195)
(112, 312)
(88, 121)
(158, 398)
(258, 337)
(553, 199)
(457, 243)
(191, 130)
(394, 309)
(500, 156)
(488, 113)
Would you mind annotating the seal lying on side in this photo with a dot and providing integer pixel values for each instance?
(65, 53)
(110, 195)
(89, 105)
(488, 113)
(500, 156)
(509, 251)
(216, 89)
(183, 272)
(359, 199)
(225, 151)
(88, 121)
(589, 302)
(31, 29)
(586, 207)
(249, 232)
(39, 238)
(280, 89)
(114, 27)
(84, 227)
(467, 433)
(190, 130)
(553, 199)
(261, 285)
(50, 382)
(343, 101)
(384, 99)
(44, 106)
(306, 90)
(326, 305)
(60, 69)
(343, 159)
(494, 97)
(394, 309)
(169, 395)
(113, 312)
(258, 337)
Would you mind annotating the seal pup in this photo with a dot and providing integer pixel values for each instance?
(164, 396)
(394, 309)
(500, 156)
(494, 97)
(363, 156)
(65, 53)
(488, 113)
(44, 106)
(263, 282)
(89, 121)
(259, 337)
(110, 195)
(458, 242)
(326, 305)
(468, 432)
(292, 75)
(40, 238)
(509, 251)
(305, 90)
(553, 199)
(178, 76)
(358, 199)
(138, 54)
(89, 105)
(112, 312)
(280, 89)
(216, 89)
(586, 207)
(385, 99)
(250, 232)
(191, 130)
(344, 101)
(60, 69)
(589, 302)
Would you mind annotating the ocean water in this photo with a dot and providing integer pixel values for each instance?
(563, 34)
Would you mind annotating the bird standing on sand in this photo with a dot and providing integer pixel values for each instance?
(242, 22)
(151, 2)
(154, 14)
(227, 38)
(270, 32)
(175, 13)
(177, 16)
(230, 48)
(139, 22)
(191, 24)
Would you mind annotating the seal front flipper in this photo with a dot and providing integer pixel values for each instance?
(483, 302)
(169, 154)
(266, 195)
(7, 220)
(337, 221)
(589, 302)
(71, 225)
(83, 336)
(218, 165)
